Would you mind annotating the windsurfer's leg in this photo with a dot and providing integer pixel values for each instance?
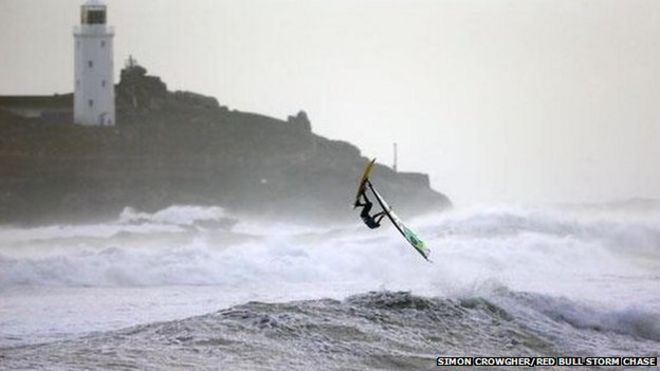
(367, 207)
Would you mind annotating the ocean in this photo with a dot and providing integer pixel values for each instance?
(196, 287)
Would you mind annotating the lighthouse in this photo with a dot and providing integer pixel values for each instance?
(94, 97)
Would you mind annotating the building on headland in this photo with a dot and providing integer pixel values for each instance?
(94, 90)
(93, 100)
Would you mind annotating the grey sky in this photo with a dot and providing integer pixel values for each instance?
(530, 101)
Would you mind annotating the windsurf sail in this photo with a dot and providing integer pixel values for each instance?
(407, 233)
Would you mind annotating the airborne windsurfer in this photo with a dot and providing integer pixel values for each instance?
(374, 221)
(371, 221)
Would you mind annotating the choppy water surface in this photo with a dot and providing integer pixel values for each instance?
(187, 287)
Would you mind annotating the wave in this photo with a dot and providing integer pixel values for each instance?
(505, 280)
(553, 315)
(370, 331)
(174, 215)
(620, 231)
(176, 218)
(526, 249)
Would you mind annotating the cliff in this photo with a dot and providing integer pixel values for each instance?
(184, 148)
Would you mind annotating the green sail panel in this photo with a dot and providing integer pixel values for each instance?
(407, 233)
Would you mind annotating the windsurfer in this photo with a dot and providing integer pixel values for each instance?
(371, 221)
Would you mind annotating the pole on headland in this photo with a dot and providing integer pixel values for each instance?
(394, 165)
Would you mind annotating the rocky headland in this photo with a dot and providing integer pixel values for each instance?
(184, 148)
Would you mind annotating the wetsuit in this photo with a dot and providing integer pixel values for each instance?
(371, 221)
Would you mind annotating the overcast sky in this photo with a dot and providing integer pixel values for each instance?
(523, 101)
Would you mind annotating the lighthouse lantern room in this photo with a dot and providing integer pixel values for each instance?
(94, 98)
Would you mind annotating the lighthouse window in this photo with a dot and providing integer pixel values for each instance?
(91, 102)
(91, 64)
(103, 43)
(95, 17)
(103, 83)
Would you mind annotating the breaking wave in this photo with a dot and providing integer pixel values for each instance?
(553, 315)
(505, 280)
(171, 219)
(186, 245)
(175, 215)
(372, 331)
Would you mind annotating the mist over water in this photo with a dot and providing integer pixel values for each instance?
(583, 279)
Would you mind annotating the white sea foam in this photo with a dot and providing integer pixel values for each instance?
(175, 215)
(502, 244)
(606, 260)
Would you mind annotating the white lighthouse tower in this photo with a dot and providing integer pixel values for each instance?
(94, 98)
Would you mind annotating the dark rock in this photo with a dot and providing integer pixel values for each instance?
(301, 121)
(195, 99)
